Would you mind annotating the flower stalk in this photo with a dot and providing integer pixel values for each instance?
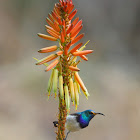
(62, 27)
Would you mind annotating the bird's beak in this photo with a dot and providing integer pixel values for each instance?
(100, 114)
(95, 113)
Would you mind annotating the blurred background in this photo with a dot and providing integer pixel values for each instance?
(112, 74)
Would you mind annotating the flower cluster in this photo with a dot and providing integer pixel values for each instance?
(64, 29)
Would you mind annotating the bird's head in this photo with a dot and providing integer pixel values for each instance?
(90, 113)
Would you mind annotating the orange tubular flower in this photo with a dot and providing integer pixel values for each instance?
(77, 39)
(79, 80)
(69, 29)
(76, 26)
(74, 68)
(64, 27)
(59, 53)
(50, 17)
(48, 27)
(51, 23)
(47, 59)
(76, 47)
(53, 64)
(75, 21)
(48, 49)
(78, 53)
(72, 14)
(52, 33)
(84, 57)
(74, 34)
(47, 37)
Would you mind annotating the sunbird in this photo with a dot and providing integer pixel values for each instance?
(78, 121)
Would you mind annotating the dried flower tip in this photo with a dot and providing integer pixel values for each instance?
(47, 37)
(61, 87)
(77, 39)
(78, 53)
(67, 98)
(71, 87)
(72, 14)
(48, 49)
(50, 83)
(79, 80)
(53, 64)
(55, 80)
(76, 47)
(46, 59)
(74, 68)
(76, 94)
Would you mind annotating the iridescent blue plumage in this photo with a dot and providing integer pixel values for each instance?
(79, 120)
(84, 118)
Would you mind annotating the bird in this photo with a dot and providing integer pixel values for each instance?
(78, 120)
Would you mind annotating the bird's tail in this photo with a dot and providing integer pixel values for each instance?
(55, 123)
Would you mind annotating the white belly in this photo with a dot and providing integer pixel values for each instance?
(71, 124)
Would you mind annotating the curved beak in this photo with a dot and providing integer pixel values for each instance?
(100, 114)
(95, 113)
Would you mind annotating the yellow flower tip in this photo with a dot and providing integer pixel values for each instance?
(71, 87)
(73, 103)
(50, 82)
(86, 94)
(55, 80)
(55, 95)
(67, 98)
(48, 97)
(61, 87)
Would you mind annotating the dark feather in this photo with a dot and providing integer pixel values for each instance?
(55, 123)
